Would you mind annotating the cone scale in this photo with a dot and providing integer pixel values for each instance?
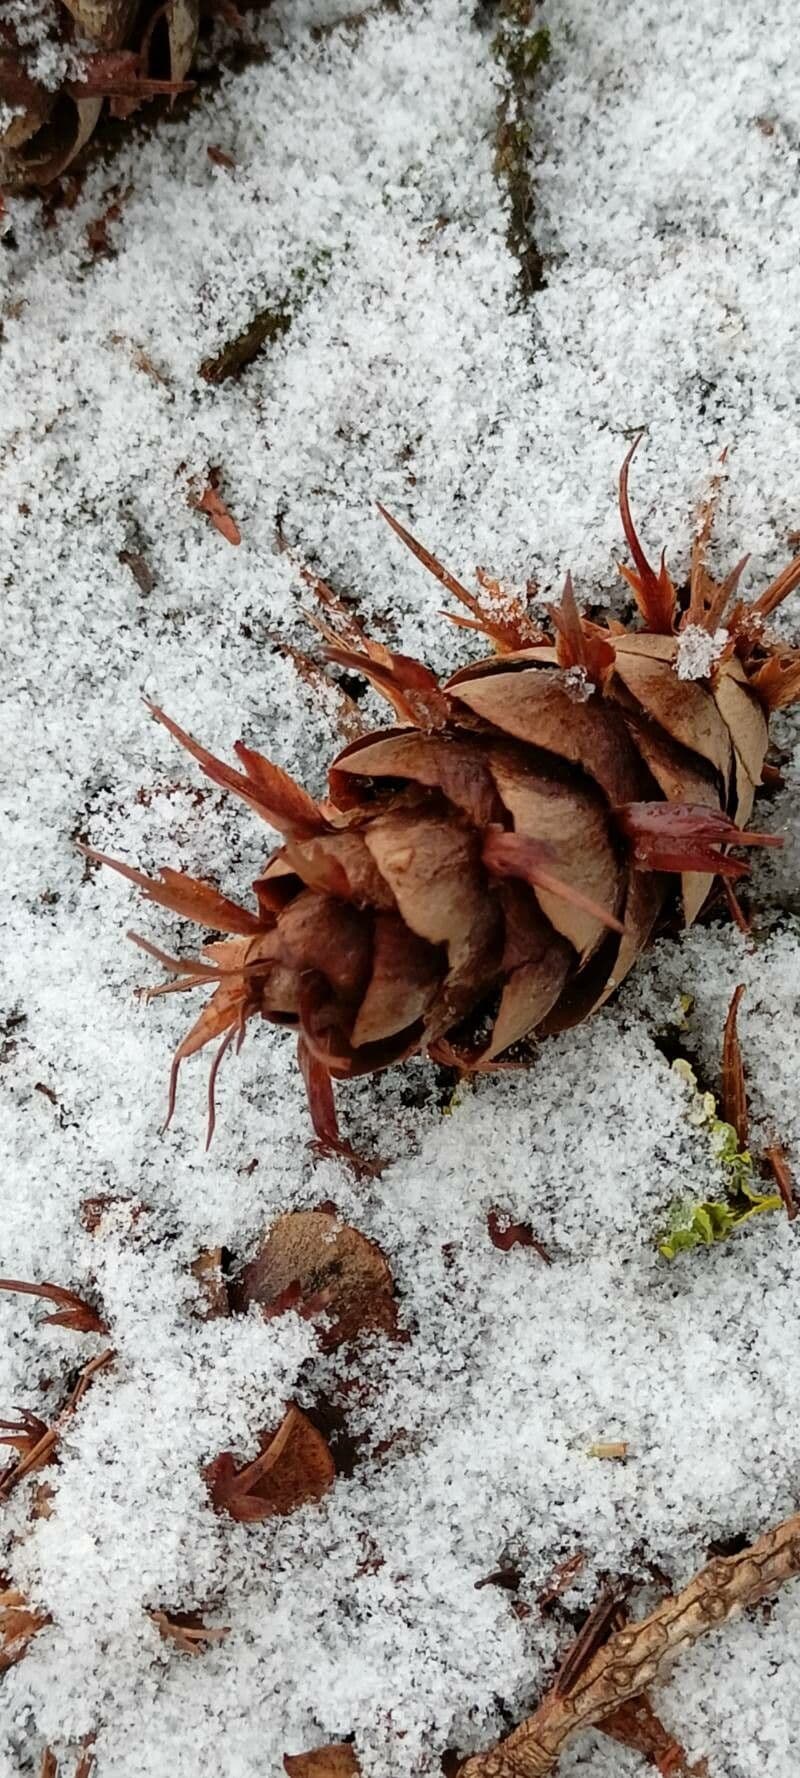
(489, 869)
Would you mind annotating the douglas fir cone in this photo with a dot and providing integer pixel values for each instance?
(60, 59)
(489, 869)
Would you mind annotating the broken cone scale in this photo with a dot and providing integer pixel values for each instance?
(488, 869)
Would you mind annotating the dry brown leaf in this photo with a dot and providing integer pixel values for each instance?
(335, 1761)
(18, 1625)
(139, 567)
(187, 1631)
(72, 1311)
(313, 1262)
(86, 1761)
(211, 503)
(505, 1234)
(295, 1467)
(636, 1725)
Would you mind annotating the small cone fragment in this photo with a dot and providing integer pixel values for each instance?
(488, 870)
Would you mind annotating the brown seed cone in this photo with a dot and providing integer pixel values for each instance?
(489, 870)
(121, 51)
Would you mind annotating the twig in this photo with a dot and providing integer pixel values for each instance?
(42, 1451)
(636, 1657)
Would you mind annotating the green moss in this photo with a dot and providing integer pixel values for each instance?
(524, 53)
(521, 51)
(702, 1224)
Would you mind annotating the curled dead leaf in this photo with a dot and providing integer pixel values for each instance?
(312, 1262)
(295, 1467)
(71, 1312)
(635, 1724)
(211, 503)
(18, 1625)
(187, 1631)
(505, 1234)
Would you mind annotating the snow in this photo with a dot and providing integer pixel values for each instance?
(363, 200)
(698, 649)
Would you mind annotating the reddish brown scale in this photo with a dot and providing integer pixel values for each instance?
(490, 868)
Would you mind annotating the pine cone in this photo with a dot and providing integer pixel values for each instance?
(57, 68)
(489, 870)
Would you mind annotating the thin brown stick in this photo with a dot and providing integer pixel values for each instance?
(42, 1451)
(637, 1656)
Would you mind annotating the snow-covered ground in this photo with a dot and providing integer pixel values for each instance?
(363, 198)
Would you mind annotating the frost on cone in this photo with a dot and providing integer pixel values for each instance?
(489, 869)
(108, 49)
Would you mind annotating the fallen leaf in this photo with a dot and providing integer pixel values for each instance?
(140, 569)
(507, 1576)
(187, 1630)
(72, 1311)
(295, 1466)
(220, 157)
(312, 1262)
(335, 1761)
(42, 1499)
(215, 509)
(18, 1625)
(49, 1765)
(86, 1761)
(22, 1434)
(506, 1234)
(635, 1724)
